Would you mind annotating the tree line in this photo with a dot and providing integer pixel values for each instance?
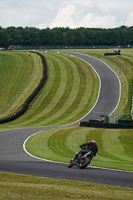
(66, 36)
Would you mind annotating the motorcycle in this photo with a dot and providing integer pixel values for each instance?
(82, 161)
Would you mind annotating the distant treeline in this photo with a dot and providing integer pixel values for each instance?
(66, 36)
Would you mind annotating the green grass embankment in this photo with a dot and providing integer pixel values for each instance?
(72, 87)
(69, 93)
(16, 187)
(115, 145)
(20, 75)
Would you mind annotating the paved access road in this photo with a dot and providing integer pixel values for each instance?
(14, 159)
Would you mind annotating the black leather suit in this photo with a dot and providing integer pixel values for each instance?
(86, 147)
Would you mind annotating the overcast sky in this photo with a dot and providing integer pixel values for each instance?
(66, 13)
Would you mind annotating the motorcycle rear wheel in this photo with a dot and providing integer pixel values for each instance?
(85, 163)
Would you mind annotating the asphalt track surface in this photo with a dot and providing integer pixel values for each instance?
(109, 91)
(14, 159)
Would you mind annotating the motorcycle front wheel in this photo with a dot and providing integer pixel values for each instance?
(85, 163)
(70, 164)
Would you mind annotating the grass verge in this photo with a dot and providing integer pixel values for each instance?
(115, 145)
(20, 75)
(18, 187)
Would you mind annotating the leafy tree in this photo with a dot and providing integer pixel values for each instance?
(66, 36)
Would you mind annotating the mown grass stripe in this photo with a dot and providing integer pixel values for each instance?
(111, 150)
(73, 87)
(46, 95)
(81, 103)
(63, 143)
(65, 93)
(16, 68)
(53, 90)
(126, 140)
(54, 104)
(62, 79)
(82, 74)
(57, 143)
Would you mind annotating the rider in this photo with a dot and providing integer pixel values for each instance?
(86, 147)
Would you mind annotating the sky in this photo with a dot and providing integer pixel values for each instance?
(66, 13)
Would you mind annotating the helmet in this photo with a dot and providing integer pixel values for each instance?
(94, 141)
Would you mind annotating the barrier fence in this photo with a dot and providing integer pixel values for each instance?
(122, 124)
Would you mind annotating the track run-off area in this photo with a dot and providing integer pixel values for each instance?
(13, 157)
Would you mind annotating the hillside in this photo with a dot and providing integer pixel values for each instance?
(20, 73)
(72, 87)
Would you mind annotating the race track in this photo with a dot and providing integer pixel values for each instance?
(109, 91)
(14, 159)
